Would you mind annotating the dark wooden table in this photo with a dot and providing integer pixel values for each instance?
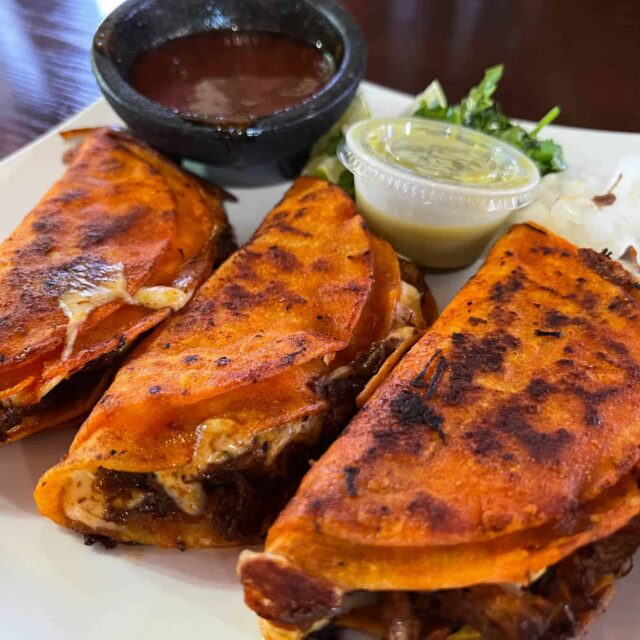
(583, 55)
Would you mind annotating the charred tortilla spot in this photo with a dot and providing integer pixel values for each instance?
(503, 316)
(592, 417)
(606, 268)
(512, 419)
(354, 287)
(283, 259)
(69, 196)
(589, 301)
(553, 251)
(534, 228)
(556, 319)
(41, 246)
(539, 389)
(591, 401)
(436, 512)
(483, 441)
(105, 541)
(191, 358)
(321, 265)
(246, 272)
(249, 255)
(418, 381)
(435, 379)
(47, 225)
(471, 356)
(350, 476)
(285, 227)
(625, 307)
(222, 362)
(618, 347)
(504, 291)
(498, 522)
(237, 298)
(474, 321)
(110, 165)
(410, 411)
(290, 357)
(104, 228)
(546, 333)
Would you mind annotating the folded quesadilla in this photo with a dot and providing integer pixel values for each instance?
(207, 428)
(489, 488)
(118, 243)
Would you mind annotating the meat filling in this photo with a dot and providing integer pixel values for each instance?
(244, 489)
(240, 496)
(557, 606)
(240, 482)
(74, 390)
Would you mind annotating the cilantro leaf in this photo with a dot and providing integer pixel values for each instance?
(479, 111)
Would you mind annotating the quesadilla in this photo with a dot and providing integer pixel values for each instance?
(489, 488)
(208, 426)
(118, 243)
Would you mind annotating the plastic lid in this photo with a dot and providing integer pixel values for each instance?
(440, 162)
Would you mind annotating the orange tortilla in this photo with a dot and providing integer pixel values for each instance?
(505, 439)
(120, 205)
(286, 309)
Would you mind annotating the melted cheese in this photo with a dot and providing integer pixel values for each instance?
(87, 293)
(162, 297)
(188, 496)
(82, 504)
(218, 440)
(409, 307)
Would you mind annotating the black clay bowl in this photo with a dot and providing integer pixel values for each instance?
(138, 25)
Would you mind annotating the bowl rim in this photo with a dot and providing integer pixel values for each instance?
(118, 90)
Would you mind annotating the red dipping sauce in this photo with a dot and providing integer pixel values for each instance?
(234, 77)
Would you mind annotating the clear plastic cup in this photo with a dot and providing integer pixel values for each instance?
(437, 192)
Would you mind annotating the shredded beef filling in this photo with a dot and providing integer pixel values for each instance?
(557, 606)
(343, 389)
(77, 386)
(123, 486)
(245, 494)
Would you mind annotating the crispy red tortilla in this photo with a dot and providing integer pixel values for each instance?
(502, 442)
(283, 311)
(119, 207)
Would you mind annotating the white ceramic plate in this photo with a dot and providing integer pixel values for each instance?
(54, 588)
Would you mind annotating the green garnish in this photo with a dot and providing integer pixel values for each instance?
(323, 162)
(479, 111)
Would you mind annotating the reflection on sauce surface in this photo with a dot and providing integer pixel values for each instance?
(231, 76)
